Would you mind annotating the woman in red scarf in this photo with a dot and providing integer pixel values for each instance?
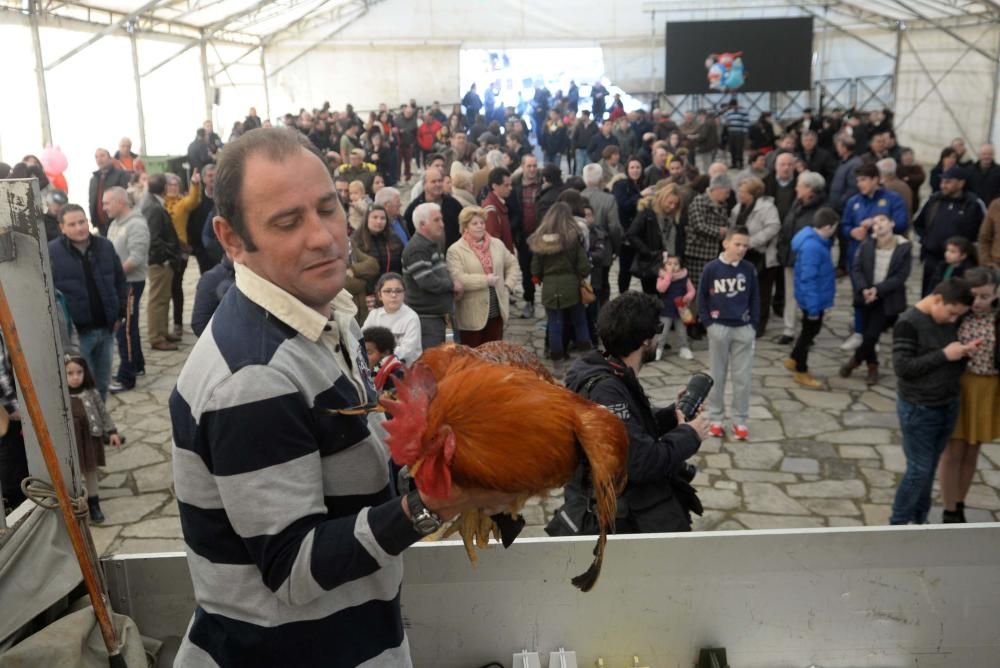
(489, 272)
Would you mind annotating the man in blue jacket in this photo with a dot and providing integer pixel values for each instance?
(86, 269)
(856, 224)
(815, 287)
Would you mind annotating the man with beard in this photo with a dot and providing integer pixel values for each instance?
(658, 496)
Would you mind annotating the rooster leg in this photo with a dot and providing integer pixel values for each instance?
(483, 531)
(470, 524)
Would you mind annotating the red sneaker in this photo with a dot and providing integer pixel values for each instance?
(716, 430)
(740, 432)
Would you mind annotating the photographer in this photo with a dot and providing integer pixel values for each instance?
(658, 496)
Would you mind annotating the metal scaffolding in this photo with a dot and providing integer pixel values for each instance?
(258, 25)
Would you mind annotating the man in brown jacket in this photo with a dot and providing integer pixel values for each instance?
(989, 237)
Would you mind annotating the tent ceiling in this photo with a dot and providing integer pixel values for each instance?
(264, 19)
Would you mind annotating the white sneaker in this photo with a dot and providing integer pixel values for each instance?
(685, 353)
(852, 342)
(659, 354)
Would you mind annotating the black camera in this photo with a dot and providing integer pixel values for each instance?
(687, 472)
(694, 395)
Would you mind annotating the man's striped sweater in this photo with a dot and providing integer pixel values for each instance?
(293, 535)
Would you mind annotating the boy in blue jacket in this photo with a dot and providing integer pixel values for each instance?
(729, 306)
(815, 287)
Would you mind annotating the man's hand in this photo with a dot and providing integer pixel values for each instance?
(955, 351)
(117, 326)
(700, 423)
(462, 499)
(115, 440)
(196, 177)
(722, 232)
(859, 233)
(867, 223)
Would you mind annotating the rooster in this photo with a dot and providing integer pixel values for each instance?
(494, 419)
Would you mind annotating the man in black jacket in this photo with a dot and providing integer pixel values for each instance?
(164, 248)
(953, 211)
(658, 496)
(108, 175)
(87, 271)
(434, 193)
(985, 175)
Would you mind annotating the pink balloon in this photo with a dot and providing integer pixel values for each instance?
(53, 160)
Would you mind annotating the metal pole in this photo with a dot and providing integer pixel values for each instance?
(138, 93)
(996, 77)
(267, 90)
(209, 97)
(895, 66)
(43, 95)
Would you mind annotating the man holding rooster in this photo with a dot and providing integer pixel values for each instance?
(293, 531)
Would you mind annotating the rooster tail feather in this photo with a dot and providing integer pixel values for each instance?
(604, 441)
(586, 581)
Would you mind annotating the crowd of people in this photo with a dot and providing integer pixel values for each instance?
(723, 221)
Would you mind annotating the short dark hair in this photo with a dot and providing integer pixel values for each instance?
(70, 208)
(497, 175)
(825, 216)
(964, 246)
(954, 291)
(552, 173)
(157, 184)
(627, 321)
(609, 151)
(574, 199)
(380, 337)
(736, 229)
(868, 169)
(980, 276)
(275, 144)
(431, 157)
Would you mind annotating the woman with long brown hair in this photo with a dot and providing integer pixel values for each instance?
(657, 232)
(560, 263)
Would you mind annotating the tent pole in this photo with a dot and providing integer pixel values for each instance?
(996, 79)
(895, 65)
(43, 94)
(138, 94)
(209, 97)
(267, 90)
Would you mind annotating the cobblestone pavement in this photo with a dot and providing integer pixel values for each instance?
(814, 459)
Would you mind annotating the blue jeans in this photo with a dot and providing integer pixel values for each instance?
(95, 347)
(129, 346)
(581, 160)
(577, 316)
(926, 431)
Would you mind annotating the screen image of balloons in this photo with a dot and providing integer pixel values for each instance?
(726, 71)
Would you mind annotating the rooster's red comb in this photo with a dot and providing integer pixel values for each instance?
(414, 393)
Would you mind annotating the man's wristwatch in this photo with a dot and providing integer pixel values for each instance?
(424, 521)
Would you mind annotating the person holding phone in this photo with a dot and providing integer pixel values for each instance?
(929, 360)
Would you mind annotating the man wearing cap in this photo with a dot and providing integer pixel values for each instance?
(951, 212)
(55, 200)
(107, 175)
(358, 169)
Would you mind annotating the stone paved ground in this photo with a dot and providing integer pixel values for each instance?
(815, 458)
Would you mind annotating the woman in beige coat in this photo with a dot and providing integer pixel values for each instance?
(488, 272)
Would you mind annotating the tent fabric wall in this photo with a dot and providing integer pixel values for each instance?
(962, 103)
(364, 76)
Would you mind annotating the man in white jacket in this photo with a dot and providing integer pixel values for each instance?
(129, 233)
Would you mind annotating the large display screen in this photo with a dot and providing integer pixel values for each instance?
(745, 56)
